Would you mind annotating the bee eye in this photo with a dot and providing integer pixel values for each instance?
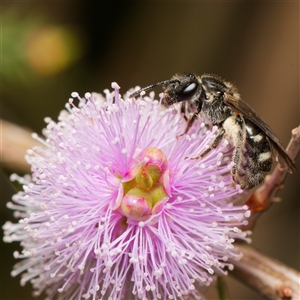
(190, 88)
(187, 92)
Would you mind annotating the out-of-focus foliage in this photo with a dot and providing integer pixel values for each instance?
(32, 47)
(63, 48)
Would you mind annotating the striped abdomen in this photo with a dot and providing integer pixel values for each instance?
(256, 157)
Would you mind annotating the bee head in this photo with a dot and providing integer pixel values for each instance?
(184, 87)
(181, 87)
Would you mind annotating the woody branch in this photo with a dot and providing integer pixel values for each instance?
(267, 276)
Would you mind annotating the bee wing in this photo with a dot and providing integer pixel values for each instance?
(277, 148)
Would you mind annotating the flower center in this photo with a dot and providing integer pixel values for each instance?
(145, 192)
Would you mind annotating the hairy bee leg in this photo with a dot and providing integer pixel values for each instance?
(236, 159)
(239, 140)
(214, 144)
(189, 124)
(183, 110)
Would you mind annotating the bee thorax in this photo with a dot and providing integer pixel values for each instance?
(216, 111)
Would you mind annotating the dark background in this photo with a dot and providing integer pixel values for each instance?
(50, 49)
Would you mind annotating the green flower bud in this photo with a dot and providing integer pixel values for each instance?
(137, 204)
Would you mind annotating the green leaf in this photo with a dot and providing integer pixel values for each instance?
(222, 289)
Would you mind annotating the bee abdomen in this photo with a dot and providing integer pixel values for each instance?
(257, 158)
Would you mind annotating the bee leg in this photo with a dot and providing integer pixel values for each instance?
(183, 110)
(239, 140)
(214, 144)
(236, 159)
(189, 124)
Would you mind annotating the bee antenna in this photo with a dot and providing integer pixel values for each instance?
(149, 87)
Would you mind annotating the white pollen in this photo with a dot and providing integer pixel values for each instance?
(210, 271)
(13, 177)
(213, 177)
(114, 85)
(87, 95)
(247, 213)
(141, 224)
(74, 94)
(34, 135)
(220, 155)
(16, 254)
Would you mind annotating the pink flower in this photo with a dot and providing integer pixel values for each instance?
(116, 209)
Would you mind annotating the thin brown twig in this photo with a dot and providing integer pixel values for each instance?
(15, 141)
(265, 195)
(267, 276)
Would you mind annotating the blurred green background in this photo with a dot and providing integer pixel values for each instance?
(50, 49)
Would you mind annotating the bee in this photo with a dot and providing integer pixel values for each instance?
(254, 142)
